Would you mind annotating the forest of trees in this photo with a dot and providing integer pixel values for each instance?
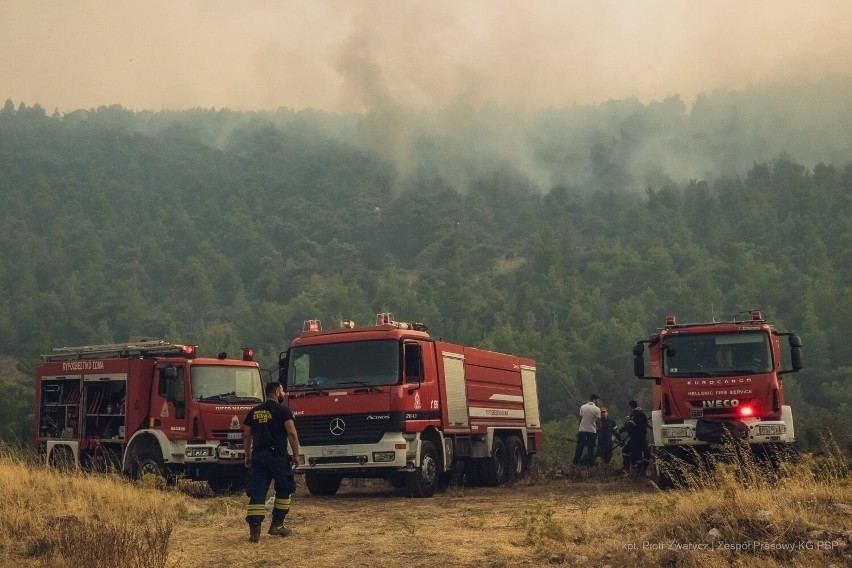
(566, 244)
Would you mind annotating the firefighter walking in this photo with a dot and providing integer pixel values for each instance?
(267, 429)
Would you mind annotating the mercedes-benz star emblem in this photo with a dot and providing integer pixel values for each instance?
(337, 426)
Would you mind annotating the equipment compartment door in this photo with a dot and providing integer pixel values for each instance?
(530, 397)
(457, 410)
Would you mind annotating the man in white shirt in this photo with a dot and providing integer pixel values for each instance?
(590, 421)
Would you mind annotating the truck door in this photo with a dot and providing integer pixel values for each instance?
(420, 380)
(172, 414)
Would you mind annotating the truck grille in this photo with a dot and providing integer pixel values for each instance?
(227, 434)
(356, 428)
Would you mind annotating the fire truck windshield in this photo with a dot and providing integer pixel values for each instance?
(359, 363)
(220, 383)
(701, 355)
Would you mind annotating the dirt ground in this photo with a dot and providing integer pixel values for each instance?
(368, 523)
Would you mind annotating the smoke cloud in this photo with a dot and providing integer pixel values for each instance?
(405, 56)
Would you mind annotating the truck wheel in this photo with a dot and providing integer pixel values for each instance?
(322, 483)
(516, 458)
(493, 471)
(424, 480)
(149, 462)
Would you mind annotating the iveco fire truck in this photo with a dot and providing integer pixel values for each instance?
(146, 407)
(389, 401)
(714, 382)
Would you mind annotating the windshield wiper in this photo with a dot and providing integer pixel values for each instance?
(691, 374)
(224, 397)
(370, 388)
(315, 391)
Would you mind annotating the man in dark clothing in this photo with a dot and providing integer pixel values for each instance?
(636, 428)
(605, 434)
(267, 429)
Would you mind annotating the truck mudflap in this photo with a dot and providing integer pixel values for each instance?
(718, 430)
(707, 431)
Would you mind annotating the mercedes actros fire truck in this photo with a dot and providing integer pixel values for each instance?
(714, 382)
(146, 407)
(389, 401)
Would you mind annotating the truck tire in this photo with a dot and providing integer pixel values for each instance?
(494, 470)
(516, 458)
(322, 483)
(150, 462)
(424, 480)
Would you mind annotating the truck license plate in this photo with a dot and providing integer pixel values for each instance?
(332, 452)
(235, 435)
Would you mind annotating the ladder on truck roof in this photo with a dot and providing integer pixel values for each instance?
(139, 348)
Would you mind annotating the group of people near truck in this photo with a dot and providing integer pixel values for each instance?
(598, 435)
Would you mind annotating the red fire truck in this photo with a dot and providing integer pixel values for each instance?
(389, 401)
(146, 407)
(714, 382)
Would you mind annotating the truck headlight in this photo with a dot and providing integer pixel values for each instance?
(384, 456)
(771, 429)
(675, 432)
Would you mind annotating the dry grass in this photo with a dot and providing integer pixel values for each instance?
(74, 519)
(591, 517)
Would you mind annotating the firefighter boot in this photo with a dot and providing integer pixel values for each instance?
(254, 532)
(278, 529)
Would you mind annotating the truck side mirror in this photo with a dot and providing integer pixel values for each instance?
(413, 363)
(639, 360)
(796, 353)
(283, 363)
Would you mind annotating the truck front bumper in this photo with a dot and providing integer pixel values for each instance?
(760, 431)
(394, 451)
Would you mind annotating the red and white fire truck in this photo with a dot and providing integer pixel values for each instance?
(714, 382)
(146, 407)
(389, 401)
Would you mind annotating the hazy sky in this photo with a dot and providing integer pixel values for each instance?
(374, 55)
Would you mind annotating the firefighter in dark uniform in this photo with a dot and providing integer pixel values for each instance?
(267, 429)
